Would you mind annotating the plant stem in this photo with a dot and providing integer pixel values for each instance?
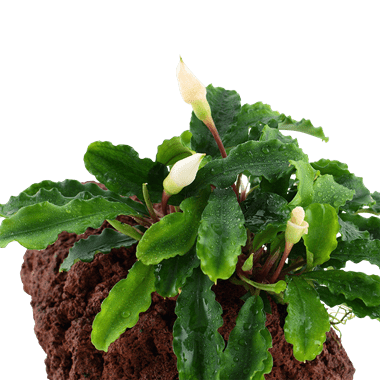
(148, 203)
(126, 229)
(209, 122)
(164, 202)
(288, 248)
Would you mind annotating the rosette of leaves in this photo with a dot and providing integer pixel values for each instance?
(212, 233)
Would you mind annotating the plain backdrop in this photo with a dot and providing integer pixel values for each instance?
(74, 72)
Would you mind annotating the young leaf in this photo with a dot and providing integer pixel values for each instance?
(260, 158)
(121, 309)
(196, 340)
(247, 348)
(61, 193)
(221, 234)
(37, 226)
(171, 274)
(307, 321)
(351, 284)
(225, 106)
(121, 170)
(174, 234)
(320, 240)
(86, 249)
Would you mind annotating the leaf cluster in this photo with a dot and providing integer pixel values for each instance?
(212, 234)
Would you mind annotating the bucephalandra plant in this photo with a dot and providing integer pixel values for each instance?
(288, 234)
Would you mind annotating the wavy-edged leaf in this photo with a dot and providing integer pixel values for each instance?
(307, 321)
(342, 176)
(61, 193)
(269, 133)
(174, 234)
(351, 284)
(260, 158)
(321, 240)
(37, 226)
(196, 340)
(305, 188)
(121, 170)
(262, 208)
(326, 190)
(350, 231)
(357, 306)
(171, 274)
(173, 150)
(268, 362)
(221, 234)
(246, 348)
(375, 208)
(225, 106)
(370, 225)
(86, 249)
(120, 310)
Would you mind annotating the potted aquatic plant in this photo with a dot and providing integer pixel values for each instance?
(186, 224)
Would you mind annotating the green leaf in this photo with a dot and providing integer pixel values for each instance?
(268, 362)
(261, 209)
(350, 231)
(260, 158)
(120, 310)
(320, 240)
(174, 234)
(173, 150)
(278, 287)
(121, 170)
(305, 189)
(247, 348)
(326, 190)
(307, 321)
(375, 208)
(171, 274)
(196, 340)
(342, 176)
(351, 284)
(225, 106)
(370, 225)
(61, 193)
(269, 133)
(221, 234)
(37, 226)
(86, 249)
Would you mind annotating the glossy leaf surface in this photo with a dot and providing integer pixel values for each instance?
(174, 234)
(121, 170)
(86, 249)
(323, 228)
(221, 234)
(37, 226)
(121, 309)
(247, 348)
(351, 284)
(196, 341)
(268, 362)
(307, 321)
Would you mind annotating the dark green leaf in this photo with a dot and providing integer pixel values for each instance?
(121, 170)
(221, 234)
(351, 284)
(268, 362)
(121, 309)
(174, 234)
(372, 224)
(269, 133)
(307, 321)
(171, 274)
(61, 193)
(86, 249)
(375, 209)
(37, 226)
(196, 340)
(350, 231)
(247, 348)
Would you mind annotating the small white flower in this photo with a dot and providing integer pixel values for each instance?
(193, 91)
(296, 226)
(183, 173)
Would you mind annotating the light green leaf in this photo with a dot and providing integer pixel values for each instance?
(307, 321)
(121, 309)
(37, 226)
(320, 240)
(221, 234)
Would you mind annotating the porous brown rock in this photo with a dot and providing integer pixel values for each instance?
(65, 304)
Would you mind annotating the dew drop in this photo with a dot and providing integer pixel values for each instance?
(126, 314)
(320, 193)
(265, 150)
(236, 359)
(282, 147)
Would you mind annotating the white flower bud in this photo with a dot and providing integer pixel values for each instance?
(296, 226)
(183, 173)
(193, 91)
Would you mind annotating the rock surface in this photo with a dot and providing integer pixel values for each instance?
(65, 304)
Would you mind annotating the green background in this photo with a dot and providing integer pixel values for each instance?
(75, 72)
